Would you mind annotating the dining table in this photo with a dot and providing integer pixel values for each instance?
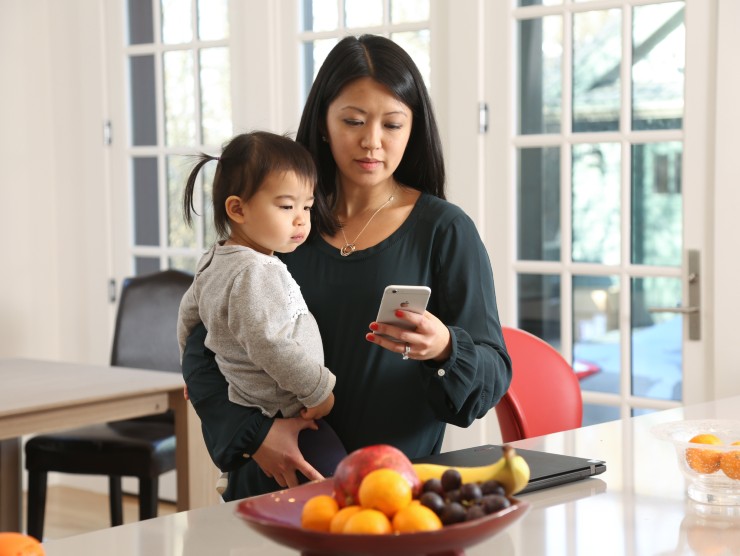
(38, 396)
(638, 506)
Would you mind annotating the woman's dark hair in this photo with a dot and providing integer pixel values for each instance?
(244, 164)
(422, 165)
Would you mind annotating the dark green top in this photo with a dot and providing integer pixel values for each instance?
(380, 398)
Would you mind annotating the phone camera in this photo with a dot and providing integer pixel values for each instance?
(394, 291)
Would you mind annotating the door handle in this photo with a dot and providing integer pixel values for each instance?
(680, 310)
(694, 297)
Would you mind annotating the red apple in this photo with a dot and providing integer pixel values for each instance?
(354, 466)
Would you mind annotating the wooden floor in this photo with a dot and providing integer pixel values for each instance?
(71, 511)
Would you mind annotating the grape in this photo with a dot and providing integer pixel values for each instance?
(433, 501)
(493, 503)
(475, 512)
(452, 513)
(433, 485)
(454, 495)
(470, 492)
(451, 479)
(493, 487)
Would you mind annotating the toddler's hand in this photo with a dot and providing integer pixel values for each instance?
(319, 411)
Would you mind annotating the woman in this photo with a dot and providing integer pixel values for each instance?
(369, 124)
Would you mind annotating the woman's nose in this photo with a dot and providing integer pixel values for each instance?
(371, 140)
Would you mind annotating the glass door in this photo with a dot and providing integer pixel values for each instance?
(597, 157)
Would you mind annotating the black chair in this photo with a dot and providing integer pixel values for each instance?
(146, 338)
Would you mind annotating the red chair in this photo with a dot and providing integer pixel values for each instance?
(544, 396)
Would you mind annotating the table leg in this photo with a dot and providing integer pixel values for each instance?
(10, 485)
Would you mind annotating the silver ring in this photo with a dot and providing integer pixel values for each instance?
(406, 352)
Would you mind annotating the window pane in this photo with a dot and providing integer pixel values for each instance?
(179, 233)
(179, 98)
(215, 95)
(177, 22)
(143, 101)
(146, 201)
(597, 54)
(657, 359)
(363, 13)
(314, 54)
(594, 414)
(416, 44)
(140, 23)
(596, 203)
(403, 11)
(538, 204)
(213, 19)
(540, 2)
(657, 204)
(540, 75)
(539, 306)
(146, 265)
(182, 262)
(658, 55)
(209, 231)
(320, 15)
(596, 346)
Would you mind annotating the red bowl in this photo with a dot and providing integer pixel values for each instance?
(278, 517)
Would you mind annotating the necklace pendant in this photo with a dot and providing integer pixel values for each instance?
(348, 249)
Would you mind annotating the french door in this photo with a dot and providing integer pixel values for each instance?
(605, 106)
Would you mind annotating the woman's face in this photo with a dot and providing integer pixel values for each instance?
(368, 129)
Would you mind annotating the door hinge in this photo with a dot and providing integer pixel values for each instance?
(482, 117)
(107, 132)
(112, 290)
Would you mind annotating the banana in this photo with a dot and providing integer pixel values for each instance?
(511, 470)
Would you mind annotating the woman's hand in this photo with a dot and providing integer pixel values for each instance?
(430, 340)
(278, 455)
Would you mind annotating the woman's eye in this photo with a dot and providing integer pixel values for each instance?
(308, 208)
(353, 122)
(394, 126)
(286, 207)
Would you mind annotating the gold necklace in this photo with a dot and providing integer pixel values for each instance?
(350, 247)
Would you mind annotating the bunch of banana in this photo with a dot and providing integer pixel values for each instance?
(511, 470)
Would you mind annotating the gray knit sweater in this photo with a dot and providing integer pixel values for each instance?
(267, 343)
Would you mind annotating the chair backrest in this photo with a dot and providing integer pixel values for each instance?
(146, 323)
(544, 396)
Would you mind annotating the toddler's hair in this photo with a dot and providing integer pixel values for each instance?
(244, 164)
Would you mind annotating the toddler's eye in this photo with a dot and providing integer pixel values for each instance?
(286, 207)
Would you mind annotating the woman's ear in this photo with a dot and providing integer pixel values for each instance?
(235, 209)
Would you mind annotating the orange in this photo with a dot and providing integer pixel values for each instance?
(18, 544)
(416, 517)
(704, 461)
(368, 522)
(340, 518)
(730, 463)
(318, 512)
(386, 490)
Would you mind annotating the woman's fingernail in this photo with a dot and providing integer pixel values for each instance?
(399, 313)
(373, 326)
(370, 337)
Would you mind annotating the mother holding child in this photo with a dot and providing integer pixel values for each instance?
(379, 217)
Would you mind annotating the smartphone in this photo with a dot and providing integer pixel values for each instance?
(407, 298)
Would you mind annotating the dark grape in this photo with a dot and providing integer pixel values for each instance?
(493, 503)
(433, 501)
(451, 479)
(470, 492)
(454, 495)
(433, 485)
(475, 512)
(493, 487)
(452, 513)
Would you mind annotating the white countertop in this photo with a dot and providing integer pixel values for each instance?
(637, 507)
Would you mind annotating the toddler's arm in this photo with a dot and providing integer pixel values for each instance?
(319, 411)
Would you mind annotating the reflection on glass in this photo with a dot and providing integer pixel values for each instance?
(657, 359)
(597, 54)
(179, 233)
(416, 44)
(146, 201)
(363, 13)
(143, 101)
(140, 23)
(403, 11)
(213, 20)
(145, 265)
(538, 204)
(658, 60)
(215, 95)
(596, 346)
(540, 74)
(657, 204)
(314, 54)
(539, 306)
(322, 15)
(179, 98)
(177, 22)
(594, 414)
(596, 203)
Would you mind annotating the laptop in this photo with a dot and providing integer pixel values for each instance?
(546, 470)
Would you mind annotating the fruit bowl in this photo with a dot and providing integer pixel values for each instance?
(278, 517)
(712, 471)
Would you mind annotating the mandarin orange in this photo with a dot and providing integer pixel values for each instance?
(368, 522)
(704, 461)
(385, 490)
(318, 512)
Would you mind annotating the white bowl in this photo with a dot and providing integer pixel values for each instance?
(704, 484)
